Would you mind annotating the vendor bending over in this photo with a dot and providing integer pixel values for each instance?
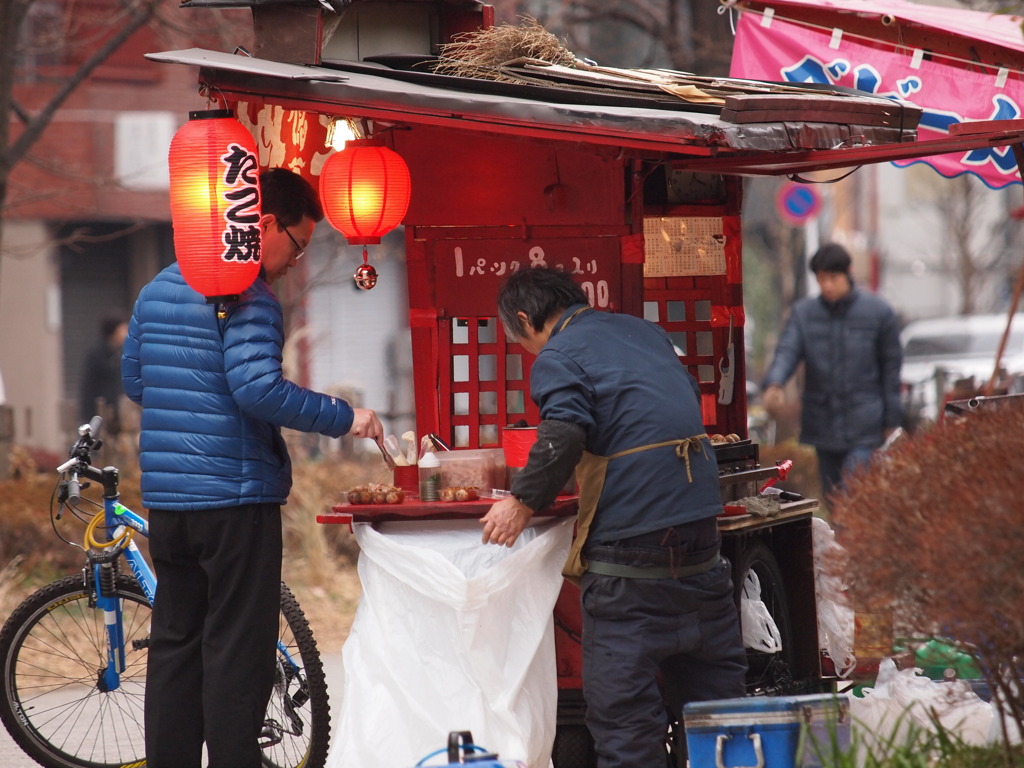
(618, 406)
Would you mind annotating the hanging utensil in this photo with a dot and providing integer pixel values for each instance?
(727, 369)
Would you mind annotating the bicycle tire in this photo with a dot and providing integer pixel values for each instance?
(51, 649)
(306, 744)
(55, 712)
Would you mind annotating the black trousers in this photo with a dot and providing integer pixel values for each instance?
(215, 628)
(648, 643)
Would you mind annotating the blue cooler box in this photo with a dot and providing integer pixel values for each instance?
(766, 731)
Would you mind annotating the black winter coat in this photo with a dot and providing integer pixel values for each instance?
(852, 358)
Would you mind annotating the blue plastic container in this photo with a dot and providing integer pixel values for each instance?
(766, 731)
(462, 751)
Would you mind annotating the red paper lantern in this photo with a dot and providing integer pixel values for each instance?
(215, 204)
(364, 190)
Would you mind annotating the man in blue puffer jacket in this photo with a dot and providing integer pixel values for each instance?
(849, 342)
(215, 472)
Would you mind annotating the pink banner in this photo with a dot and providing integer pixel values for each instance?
(948, 94)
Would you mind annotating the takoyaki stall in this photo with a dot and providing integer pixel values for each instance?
(631, 180)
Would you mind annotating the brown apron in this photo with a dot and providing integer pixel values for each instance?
(590, 474)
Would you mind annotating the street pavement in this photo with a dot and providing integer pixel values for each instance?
(11, 755)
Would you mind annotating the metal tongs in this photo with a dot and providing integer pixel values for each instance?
(383, 452)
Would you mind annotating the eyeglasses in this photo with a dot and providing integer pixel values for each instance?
(299, 250)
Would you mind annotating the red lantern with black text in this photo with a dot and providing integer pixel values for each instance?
(365, 191)
(215, 204)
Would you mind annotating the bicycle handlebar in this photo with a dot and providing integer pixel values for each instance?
(81, 456)
(74, 490)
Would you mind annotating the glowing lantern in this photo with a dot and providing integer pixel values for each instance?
(215, 204)
(365, 191)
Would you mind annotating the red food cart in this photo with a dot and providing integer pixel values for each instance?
(629, 181)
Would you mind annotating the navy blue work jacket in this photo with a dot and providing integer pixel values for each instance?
(619, 378)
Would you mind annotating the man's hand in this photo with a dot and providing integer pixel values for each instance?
(366, 424)
(504, 521)
(773, 399)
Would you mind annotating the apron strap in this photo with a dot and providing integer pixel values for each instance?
(590, 473)
(683, 449)
(572, 317)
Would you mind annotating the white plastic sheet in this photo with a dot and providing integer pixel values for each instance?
(451, 635)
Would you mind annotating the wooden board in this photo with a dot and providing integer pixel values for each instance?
(414, 509)
(791, 510)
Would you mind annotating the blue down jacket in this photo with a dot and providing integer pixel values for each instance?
(852, 357)
(214, 398)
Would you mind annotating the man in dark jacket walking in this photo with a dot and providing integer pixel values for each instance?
(215, 472)
(849, 343)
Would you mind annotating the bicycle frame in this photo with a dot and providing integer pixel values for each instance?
(116, 518)
(75, 653)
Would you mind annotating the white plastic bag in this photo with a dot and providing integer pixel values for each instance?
(836, 619)
(902, 706)
(451, 635)
(760, 632)
(1001, 716)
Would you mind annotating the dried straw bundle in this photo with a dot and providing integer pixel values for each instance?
(484, 53)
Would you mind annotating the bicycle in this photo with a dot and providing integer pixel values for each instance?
(73, 654)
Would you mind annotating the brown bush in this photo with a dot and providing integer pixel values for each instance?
(935, 531)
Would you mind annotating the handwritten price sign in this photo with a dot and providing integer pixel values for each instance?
(470, 272)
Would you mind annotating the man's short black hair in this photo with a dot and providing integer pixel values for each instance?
(289, 197)
(831, 258)
(539, 292)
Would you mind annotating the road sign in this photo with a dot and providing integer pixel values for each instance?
(798, 202)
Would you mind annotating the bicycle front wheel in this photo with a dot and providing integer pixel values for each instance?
(54, 703)
(53, 648)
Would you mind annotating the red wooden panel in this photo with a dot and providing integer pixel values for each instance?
(484, 384)
(474, 180)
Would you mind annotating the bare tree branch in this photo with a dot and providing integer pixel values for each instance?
(138, 17)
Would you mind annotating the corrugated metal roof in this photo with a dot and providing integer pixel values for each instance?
(754, 128)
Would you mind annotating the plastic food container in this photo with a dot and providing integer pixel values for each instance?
(480, 468)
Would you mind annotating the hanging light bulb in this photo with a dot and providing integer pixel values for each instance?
(341, 131)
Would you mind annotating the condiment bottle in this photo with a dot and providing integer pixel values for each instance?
(430, 477)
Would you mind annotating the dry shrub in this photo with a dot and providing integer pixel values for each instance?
(319, 560)
(9, 597)
(313, 548)
(935, 529)
(482, 53)
(26, 532)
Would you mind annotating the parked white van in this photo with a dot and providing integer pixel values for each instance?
(942, 352)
